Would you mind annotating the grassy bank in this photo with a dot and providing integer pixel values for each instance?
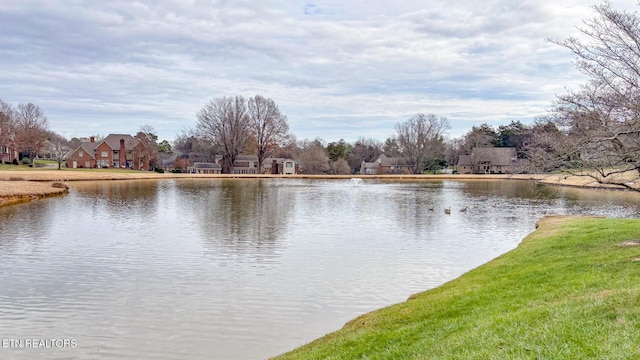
(18, 191)
(571, 290)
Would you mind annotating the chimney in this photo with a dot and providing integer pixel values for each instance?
(122, 159)
(92, 139)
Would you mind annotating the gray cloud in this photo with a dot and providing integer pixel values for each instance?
(337, 69)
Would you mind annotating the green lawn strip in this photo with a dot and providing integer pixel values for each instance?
(569, 291)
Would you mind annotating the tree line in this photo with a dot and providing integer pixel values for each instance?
(595, 127)
(231, 126)
(24, 128)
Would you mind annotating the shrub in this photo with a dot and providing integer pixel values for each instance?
(26, 161)
(15, 162)
(176, 171)
(159, 170)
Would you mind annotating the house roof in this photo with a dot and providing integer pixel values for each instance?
(88, 147)
(495, 156)
(464, 160)
(206, 165)
(113, 140)
(384, 160)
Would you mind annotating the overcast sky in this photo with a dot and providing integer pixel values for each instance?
(337, 69)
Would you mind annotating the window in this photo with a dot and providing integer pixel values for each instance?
(104, 154)
(87, 164)
(289, 164)
(81, 153)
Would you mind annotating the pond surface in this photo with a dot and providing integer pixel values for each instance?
(248, 269)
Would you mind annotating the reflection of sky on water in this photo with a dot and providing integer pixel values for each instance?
(249, 268)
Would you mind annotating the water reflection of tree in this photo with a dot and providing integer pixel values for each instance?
(130, 199)
(242, 217)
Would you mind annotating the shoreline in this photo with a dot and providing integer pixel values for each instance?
(23, 186)
(530, 302)
(21, 191)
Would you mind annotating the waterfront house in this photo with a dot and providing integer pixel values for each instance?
(248, 164)
(496, 160)
(281, 166)
(116, 150)
(386, 165)
(205, 168)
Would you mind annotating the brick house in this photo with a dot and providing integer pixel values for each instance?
(8, 154)
(116, 150)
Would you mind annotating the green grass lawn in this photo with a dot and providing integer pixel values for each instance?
(569, 291)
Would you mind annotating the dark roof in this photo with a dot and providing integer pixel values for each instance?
(205, 165)
(113, 140)
(383, 160)
(89, 148)
(494, 156)
(246, 158)
(464, 160)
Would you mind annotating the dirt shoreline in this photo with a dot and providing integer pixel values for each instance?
(22, 186)
(15, 192)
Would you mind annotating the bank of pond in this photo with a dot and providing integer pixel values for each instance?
(253, 268)
(570, 290)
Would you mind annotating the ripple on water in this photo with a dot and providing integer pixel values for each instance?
(246, 269)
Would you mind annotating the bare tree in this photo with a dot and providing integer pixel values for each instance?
(58, 146)
(194, 146)
(421, 140)
(601, 120)
(7, 126)
(549, 149)
(340, 167)
(269, 127)
(31, 129)
(225, 122)
(453, 149)
(363, 150)
(149, 148)
(312, 157)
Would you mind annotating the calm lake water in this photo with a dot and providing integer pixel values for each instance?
(247, 269)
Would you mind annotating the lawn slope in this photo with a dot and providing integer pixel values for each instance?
(571, 290)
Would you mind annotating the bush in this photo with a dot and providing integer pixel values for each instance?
(176, 171)
(159, 170)
(26, 161)
(15, 162)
